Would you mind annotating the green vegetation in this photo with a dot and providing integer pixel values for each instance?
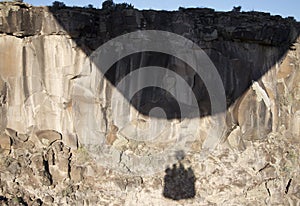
(90, 6)
(110, 5)
(58, 4)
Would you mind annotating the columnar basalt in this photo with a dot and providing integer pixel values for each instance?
(42, 54)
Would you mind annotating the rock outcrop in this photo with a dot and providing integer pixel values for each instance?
(45, 125)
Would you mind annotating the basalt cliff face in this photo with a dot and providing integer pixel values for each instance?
(54, 102)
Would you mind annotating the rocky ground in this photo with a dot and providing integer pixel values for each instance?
(35, 172)
(43, 125)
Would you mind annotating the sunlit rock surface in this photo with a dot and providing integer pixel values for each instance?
(47, 119)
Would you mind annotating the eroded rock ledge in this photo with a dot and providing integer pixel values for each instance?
(205, 24)
(43, 161)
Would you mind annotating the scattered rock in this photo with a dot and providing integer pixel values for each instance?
(5, 143)
(45, 156)
(47, 137)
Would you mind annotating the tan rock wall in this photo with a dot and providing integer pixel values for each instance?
(45, 125)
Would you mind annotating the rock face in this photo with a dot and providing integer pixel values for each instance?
(54, 104)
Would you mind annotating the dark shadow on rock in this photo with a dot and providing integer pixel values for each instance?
(149, 98)
(3, 199)
(239, 45)
(179, 183)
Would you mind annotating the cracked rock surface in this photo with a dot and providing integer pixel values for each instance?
(45, 126)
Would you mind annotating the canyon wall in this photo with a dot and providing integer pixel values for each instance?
(55, 103)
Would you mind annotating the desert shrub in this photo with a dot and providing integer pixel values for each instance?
(124, 6)
(110, 5)
(58, 4)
